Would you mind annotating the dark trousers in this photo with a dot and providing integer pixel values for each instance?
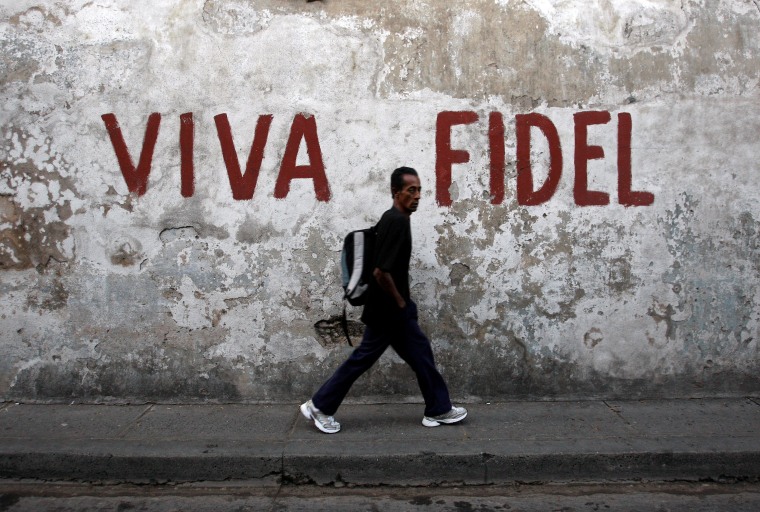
(410, 343)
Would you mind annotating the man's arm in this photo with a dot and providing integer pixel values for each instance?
(385, 280)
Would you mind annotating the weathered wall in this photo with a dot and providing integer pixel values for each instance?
(183, 292)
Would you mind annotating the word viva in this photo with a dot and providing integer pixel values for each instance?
(243, 184)
(304, 129)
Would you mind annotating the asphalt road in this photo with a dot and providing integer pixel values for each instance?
(25, 496)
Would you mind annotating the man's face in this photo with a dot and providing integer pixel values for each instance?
(408, 198)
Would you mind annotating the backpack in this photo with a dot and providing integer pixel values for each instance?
(357, 261)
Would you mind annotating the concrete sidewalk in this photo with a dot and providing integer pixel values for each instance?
(385, 443)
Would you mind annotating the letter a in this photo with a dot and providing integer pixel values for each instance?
(305, 128)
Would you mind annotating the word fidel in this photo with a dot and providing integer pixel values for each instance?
(304, 128)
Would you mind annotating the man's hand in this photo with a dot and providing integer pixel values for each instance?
(385, 280)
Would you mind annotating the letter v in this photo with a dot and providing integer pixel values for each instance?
(137, 179)
(243, 185)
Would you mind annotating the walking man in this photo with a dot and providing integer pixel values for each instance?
(390, 318)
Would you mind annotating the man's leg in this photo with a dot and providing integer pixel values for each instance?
(329, 397)
(414, 347)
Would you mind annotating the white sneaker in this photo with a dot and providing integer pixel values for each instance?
(323, 422)
(454, 415)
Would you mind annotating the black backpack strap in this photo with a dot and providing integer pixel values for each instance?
(344, 324)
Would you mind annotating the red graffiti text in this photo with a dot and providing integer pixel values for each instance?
(527, 193)
(242, 183)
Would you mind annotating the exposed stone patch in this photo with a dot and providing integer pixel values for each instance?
(34, 210)
(330, 331)
(593, 337)
(50, 292)
(127, 255)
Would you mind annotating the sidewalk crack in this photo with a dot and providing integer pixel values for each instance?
(292, 428)
(283, 475)
(123, 432)
(276, 496)
(617, 412)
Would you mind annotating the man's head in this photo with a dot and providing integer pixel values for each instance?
(405, 188)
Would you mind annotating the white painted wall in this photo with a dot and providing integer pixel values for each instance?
(108, 295)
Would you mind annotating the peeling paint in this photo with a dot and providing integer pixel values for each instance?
(108, 295)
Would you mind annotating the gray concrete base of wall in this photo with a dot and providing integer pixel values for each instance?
(385, 444)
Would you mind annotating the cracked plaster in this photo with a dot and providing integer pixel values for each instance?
(107, 296)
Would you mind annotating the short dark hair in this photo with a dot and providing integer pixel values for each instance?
(397, 178)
